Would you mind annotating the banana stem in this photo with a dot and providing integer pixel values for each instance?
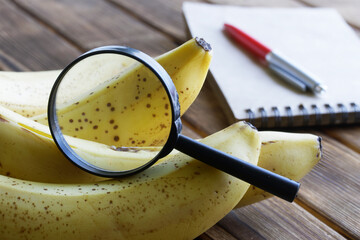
(268, 181)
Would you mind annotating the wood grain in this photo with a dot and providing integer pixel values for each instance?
(164, 15)
(239, 229)
(26, 45)
(9, 63)
(94, 23)
(347, 135)
(332, 189)
(218, 233)
(206, 114)
(277, 219)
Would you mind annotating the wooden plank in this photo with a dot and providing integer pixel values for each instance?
(94, 23)
(332, 189)
(277, 219)
(26, 45)
(203, 236)
(8, 63)
(231, 227)
(347, 135)
(239, 229)
(164, 15)
(349, 9)
(189, 130)
(218, 233)
(205, 113)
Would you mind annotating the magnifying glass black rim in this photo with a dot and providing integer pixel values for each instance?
(160, 73)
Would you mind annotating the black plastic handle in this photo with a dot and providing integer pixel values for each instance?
(273, 183)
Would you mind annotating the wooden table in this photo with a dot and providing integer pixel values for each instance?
(43, 35)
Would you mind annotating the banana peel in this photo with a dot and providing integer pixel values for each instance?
(26, 93)
(292, 155)
(158, 203)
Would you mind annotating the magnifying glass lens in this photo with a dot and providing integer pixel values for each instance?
(113, 112)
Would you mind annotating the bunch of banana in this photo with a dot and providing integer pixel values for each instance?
(158, 203)
(43, 196)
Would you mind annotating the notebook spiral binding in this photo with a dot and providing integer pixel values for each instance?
(313, 116)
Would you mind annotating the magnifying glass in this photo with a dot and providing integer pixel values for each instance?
(126, 101)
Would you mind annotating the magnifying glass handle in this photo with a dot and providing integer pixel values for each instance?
(273, 183)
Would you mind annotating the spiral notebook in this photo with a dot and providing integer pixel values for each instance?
(319, 40)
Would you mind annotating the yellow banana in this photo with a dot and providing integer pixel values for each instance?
(177, 199)
(133, 109)
(29, 153)
(27, 93)
(292, 155)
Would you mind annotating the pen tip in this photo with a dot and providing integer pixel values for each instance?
(320, 88)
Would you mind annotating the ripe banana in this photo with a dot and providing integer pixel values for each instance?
(133, 109)
(292, 155)
(27, 93)
(29, 153)
(177, 199)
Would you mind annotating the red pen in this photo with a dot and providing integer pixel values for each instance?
(281, 66)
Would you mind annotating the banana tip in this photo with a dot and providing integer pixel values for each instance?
(202, 43)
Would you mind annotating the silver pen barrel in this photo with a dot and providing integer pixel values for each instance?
(293, 74)
(288, 77)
